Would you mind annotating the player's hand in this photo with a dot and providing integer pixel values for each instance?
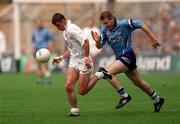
(95, 36)
(156, 44)
(57, 60)
(87, 62)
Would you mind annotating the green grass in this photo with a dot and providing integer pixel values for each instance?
(22, 101)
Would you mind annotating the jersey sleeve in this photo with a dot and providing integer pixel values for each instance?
(78, 34)
(135, 23)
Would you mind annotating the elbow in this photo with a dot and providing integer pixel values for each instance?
(98, 47)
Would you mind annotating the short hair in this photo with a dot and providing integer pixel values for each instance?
(57, 17)
(106, 14)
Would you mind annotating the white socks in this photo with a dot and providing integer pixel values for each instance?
(99, 74)
(154, 97)
(75, 111)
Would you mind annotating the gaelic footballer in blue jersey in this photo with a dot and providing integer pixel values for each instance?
(41, 38)
(117, 33)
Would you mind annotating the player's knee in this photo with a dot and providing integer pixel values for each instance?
(69, 87)
(82, 92)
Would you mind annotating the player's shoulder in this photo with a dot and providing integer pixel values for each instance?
(46, 30)
(122, 21)
(71, 27)
(86, 29)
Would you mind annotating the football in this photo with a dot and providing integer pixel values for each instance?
(43, 55)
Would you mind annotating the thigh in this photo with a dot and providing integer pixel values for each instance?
(117, 67)
(83, 81)
(71, 77)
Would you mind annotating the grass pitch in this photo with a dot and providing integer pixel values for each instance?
(22, 101)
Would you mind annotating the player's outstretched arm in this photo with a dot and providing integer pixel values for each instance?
(96, 38)
(154, 40)
(58, 59)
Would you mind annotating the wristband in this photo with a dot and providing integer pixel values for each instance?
(61, 57)
(86, 57)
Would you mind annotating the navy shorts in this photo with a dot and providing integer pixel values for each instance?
(129, 60)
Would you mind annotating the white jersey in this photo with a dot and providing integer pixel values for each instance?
(75, 38)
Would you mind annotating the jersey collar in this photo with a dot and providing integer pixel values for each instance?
(68, 23)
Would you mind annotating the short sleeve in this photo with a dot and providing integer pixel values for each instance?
(135, 23)
(78, 34)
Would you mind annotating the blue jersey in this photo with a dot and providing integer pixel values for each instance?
(41, 38)
(119, 38)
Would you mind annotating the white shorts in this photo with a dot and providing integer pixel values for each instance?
(79, 65)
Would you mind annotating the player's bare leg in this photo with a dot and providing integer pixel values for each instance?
(71, 78)
(135, 78)
(47, 73)
(85, 83)
(39, 72)
(115, 68)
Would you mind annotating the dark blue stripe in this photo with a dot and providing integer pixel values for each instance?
(132, 23)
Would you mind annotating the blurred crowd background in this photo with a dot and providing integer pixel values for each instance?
(162, 17)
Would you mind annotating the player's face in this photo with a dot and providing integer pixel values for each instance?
(39, 24)
(61, 25)
(108, 23)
